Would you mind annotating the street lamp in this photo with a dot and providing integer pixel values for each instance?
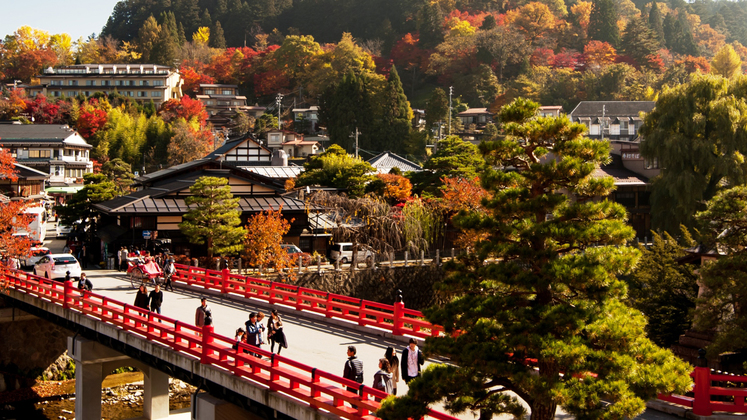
(279, 101)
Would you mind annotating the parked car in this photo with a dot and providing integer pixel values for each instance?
(343, 251)
(63, 230)
(56, 266)
(35, 254)
(295, 251)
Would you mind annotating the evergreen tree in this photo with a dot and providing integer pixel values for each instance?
(656, 24)
(393, 129)
(603, 22)
(217, 38)
(698, 136)
(639, 42)
(678, 34)
(335, 168)
(182, 37)
(430, 25)
(189, 14)
(537, 306)
(206, 20)
(344, 107)
(453, 158)
(214, 221)
(664, 289)
(147, 37)
(436, 110)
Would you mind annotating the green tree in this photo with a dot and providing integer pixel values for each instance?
(147, 38)
(214, 221)
(97, 189)
(639, 42)
(656, 23)
(697, 133)
(393, 129)
(678, 34)
(453, 158)
(335, 168)
(348, 105)
(603, 22)
(726, 62)
(436, 109)
(721, 307)
(664, 290)
(217, 37)
(120, 173)
(542, 286)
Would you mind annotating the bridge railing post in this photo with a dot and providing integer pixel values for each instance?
(68, 298)
(328, 308)
(399, 315)
(702, 391)
(207, 341)
(224, 282)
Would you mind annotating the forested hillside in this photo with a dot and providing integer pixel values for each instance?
(340, 53)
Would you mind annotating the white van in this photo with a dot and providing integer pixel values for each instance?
(37, 229)
(343, 251)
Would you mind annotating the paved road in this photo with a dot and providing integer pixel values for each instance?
(313, 343)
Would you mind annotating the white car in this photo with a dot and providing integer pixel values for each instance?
(56, 266)
(343, 251)
(35, 254)
(63, 230)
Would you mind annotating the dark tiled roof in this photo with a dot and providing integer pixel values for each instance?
(172, 170)
(622, 175)
(384, 162)
(176, 205)
(612, 108)
(35, 132)
(26, 172)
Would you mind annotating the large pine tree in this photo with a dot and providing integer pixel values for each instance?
(393, 129)
(656, 24)
(537, 308)
(639, 42)
(603, 22)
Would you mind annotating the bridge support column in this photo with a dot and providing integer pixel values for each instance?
(155, 395)
(94, 362)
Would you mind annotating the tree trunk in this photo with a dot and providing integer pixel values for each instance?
(543, 410)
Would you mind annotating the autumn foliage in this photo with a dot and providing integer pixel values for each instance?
(186, 107)
(264, 234)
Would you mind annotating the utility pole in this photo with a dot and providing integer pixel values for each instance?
(451, 91)
(279, 102)
(356, 142)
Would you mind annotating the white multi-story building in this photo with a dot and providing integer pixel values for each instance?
(54, 149)
(141, 82)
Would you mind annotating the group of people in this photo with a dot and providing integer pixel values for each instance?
(387, 377)
(254, 335)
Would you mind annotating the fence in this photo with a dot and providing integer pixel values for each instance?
(313, 386)
(730, 399)
(392, 318)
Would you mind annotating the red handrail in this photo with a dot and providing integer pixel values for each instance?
(701, 402)
(315, 387)
(393, 318)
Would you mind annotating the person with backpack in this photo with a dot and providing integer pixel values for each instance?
(353, 370)
(203, 314)
(383, 378)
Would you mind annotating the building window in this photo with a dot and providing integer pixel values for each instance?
(74, 173)
(156, 94)
(106, 83)
(144, 222)
(652, 163)
(623, 125)
(72, 83)
(39, 154)
(142, 94)
(144, 83)
(90, 83)
(72, 93)
(594, 130)
(68, 152)
(56, 94)
(56, 83)
(158, 83)
(227, 92)
(209, 91)
(627, 199)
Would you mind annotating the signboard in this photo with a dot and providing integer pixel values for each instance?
(146, 234)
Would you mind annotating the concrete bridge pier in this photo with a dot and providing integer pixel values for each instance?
(94, 362)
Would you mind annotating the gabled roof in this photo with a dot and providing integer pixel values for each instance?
(25, 172)
(384, 163)
(275, 172)
(149, 205)
(611, 108)
(56, 133)
(474, 111)
(172, 170)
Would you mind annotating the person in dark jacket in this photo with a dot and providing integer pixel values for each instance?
(412, 359)
(155, 299)
(84, 283)
(391, 357)
(353, 370)
(383, 378)
(275, 332)
(253, 332)
(141, 299)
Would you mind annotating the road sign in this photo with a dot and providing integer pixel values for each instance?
(146, 234)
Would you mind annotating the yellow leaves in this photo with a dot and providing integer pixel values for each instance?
(599, 53)
(582, 11)
(459, 27)
(534, 19)
(726, 63)
(202, 36)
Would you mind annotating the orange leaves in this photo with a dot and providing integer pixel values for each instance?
(463, 194)
(693, 64)
(264, 234)
(396, 187)
(408, 55)
(599, 53)
(193, 79)
(186, 108)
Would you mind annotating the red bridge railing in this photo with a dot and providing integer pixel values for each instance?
(729, 399)
(313, 386)
(393, 318)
